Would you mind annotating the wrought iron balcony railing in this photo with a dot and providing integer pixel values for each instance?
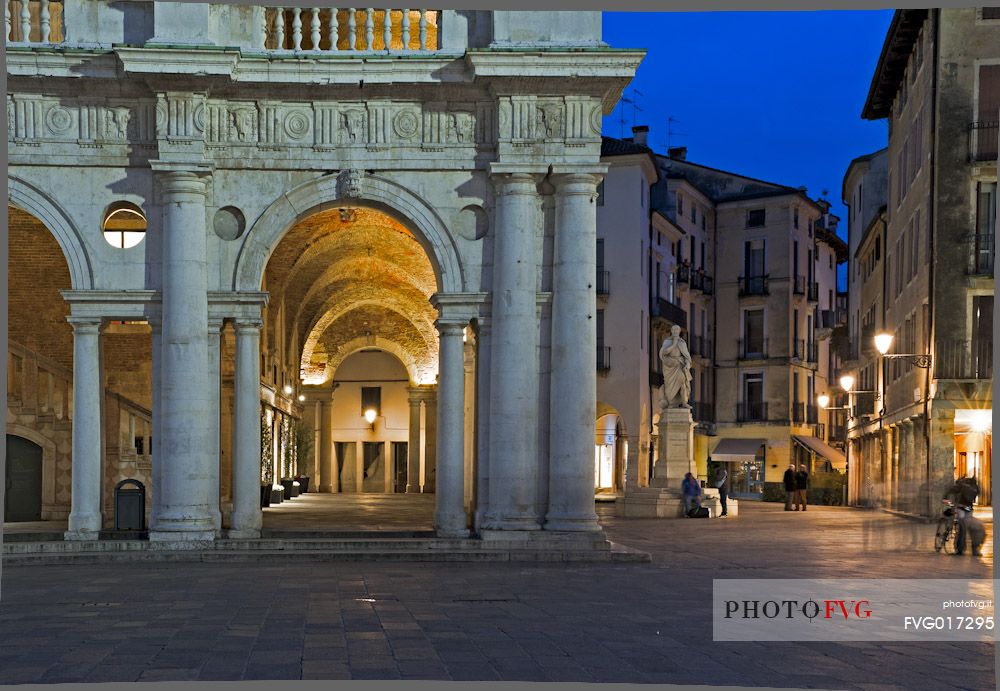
(957, 359)
(981, 257)
(751, 411)
(702, 411)
(753, 349)
(664, 309)
(812, 414)
(603, 282)
(708, 287)
(798, 412)
(799, 285)
(983, 141)
(684, 273)
(813, 292)
(753, 285)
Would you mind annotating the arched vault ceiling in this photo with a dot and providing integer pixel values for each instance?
(332, 346)
(352, 274)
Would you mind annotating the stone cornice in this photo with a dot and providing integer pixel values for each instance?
(171, 61)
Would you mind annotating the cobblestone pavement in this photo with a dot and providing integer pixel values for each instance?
(585, 622)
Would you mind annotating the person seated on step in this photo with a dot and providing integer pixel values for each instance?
(691, 491)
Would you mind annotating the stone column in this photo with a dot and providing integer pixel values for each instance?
(154, 508)
(573, 409)
(449, 514)
(215, 399)
(469, 384)
(482, 422)
(246, 519)
(430, 441)
(85, 509)
(413, 445)
(186, 402)
(513, 443)
(328, 478)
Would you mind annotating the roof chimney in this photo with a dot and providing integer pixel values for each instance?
(639, 133)
(678, 153)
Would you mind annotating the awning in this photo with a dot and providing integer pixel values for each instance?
(736, 450)
(818, 446)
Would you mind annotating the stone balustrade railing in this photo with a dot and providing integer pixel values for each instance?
(33, 21)
(37, 384)
(351, 29)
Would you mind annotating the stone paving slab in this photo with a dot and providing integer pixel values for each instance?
(603, 622)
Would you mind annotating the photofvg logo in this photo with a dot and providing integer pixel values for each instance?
(853, 609)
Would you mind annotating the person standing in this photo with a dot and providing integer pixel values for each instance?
(692, 493)
(789, 480)
(801, 485)
(721, 482)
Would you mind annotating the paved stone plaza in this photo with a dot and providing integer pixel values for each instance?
(588, 622)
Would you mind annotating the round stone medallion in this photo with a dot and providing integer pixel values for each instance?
(229, 223)
(405, 124)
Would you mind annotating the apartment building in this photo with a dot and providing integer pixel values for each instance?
(748, 269)
(926, 264)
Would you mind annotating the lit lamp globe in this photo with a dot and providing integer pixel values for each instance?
(288, 389)
(847, 383)
(823, 400)
(370, 416)
(883, 342)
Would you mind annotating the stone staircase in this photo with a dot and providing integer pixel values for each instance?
(329, 548)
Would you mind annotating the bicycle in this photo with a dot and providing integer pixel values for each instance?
(949, 528)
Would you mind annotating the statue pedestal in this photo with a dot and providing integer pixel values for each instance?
(674, 458)
(675, 448)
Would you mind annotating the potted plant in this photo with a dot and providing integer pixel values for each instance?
(303, 441)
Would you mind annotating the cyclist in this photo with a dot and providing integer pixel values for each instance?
(963, 493)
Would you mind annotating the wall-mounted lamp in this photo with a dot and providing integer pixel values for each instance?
(288, 389)
(370, 415)
(302, 397)
(883, 341)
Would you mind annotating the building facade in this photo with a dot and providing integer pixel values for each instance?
(938, 84)
(229, 222)
(748, 270)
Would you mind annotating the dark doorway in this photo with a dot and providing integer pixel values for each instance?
(399, 456)
(23, 481)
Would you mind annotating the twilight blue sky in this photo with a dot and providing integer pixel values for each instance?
(772, 95)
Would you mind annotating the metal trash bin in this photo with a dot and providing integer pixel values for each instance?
(130, 505)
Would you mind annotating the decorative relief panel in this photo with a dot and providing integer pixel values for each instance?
(379, 128)
(352, 125)
(406, 124)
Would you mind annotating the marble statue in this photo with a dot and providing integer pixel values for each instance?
(676, 362)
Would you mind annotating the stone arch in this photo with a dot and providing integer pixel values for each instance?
(371, 191)
(408, 360)
(30, 199)
(48, 462)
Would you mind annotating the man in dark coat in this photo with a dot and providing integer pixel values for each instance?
(801, 485)
(964, 493)
(789, 486)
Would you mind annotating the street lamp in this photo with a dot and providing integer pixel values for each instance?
(883, 341)
(370, 415)
(824, 402)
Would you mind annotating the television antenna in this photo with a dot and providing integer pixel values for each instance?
(670, 131)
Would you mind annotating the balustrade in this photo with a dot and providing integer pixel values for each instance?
(350, 29)
(38, 22)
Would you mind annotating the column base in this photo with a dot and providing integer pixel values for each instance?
(413, 489)
(650, 502)
(326, 489)
(452, 533)
(491, 524)
(81, 535)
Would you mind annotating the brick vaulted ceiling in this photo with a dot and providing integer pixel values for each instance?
(354, 278)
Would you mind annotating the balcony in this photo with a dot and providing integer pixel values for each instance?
(684, 273)
(706, 348)
(812, 352)
(603, 282)
(813, 292)
(864, 404)
(981, 255)
(603, 358)
(697, 280)
(753, 349)
(798, 412)
(799, 285)
(752, 411)
(349, 29)
(812, 415)
(957, 359)
(668, 311)
(826, 319)
(709, 286)
(983, 142)
(694, 345)
(702, 411)
(753, 285)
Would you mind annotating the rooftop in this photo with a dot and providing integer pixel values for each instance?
(896, 51)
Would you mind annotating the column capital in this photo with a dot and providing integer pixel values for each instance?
(516, 179)
(244, 324)
(215, 324)
(462, 307)
(450, 326)
(422, 392)
(577, 181)
(86, 324)
(185, 181)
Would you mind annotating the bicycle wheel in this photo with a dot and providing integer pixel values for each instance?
(942, 534)
(956, 541)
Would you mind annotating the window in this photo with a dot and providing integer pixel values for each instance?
(755, 218)
(795, 218)
(753, 388)
(753, 258)
(124, 225)
(991, 13)
(703, 219)
(703, 251)
(691, 256)
(600, 329)
(600, 193)
(371, 399)
(830, 258)
(753, 331)
(694, 214)
(600, 254)
(680, 205)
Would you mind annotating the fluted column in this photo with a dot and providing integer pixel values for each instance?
(513, 442)
(185, 429)
(413, 445)
(246, 519)
(430, 441)
(215, 399)
(449, 515)
(328, 478)
(85, 508)
(573, 409)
